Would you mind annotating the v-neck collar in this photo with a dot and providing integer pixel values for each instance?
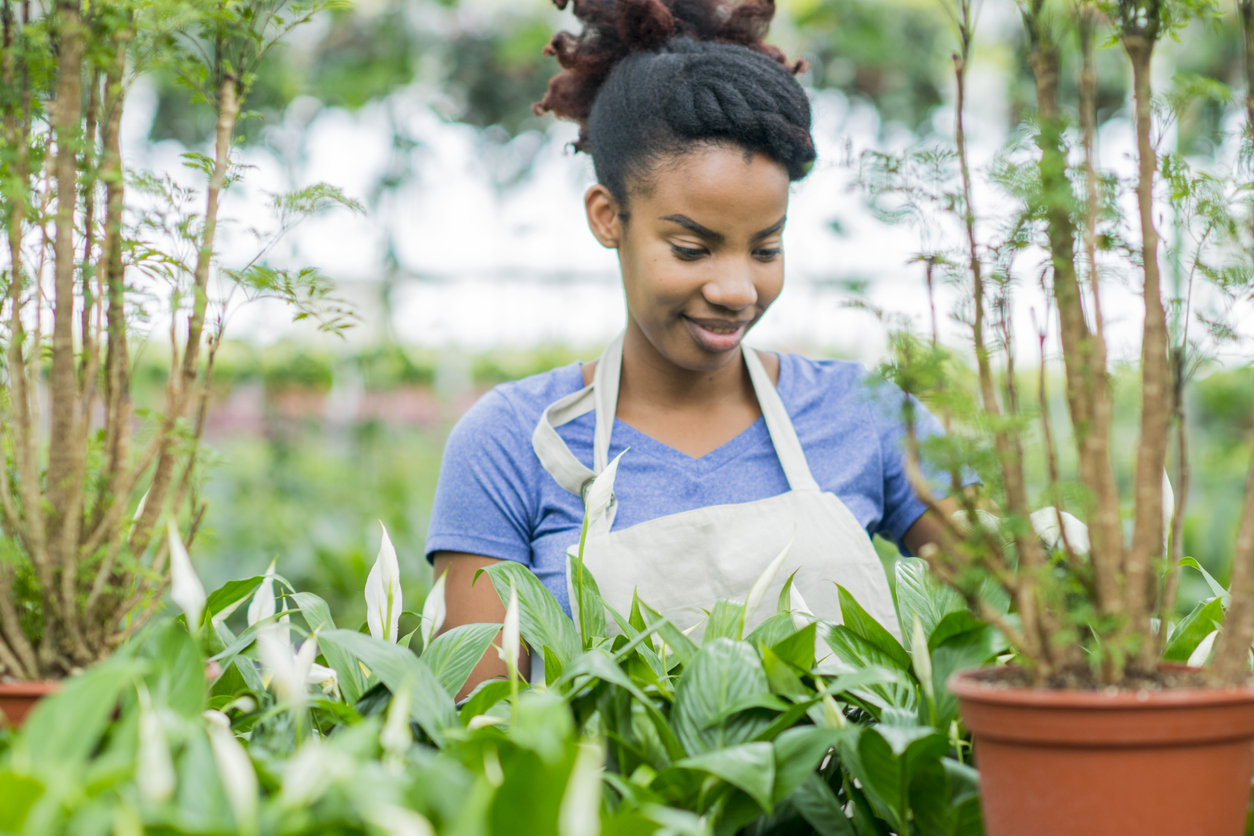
(625, 435)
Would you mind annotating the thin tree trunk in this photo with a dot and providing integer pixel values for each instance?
(1232, 648)
(228, 110)
(1156, 408)
(1036, 644)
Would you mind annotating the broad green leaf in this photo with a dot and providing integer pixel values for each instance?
(230, 595)
(784, 605)
(1215, 586)
(399, 669)
(18, 793)
(972, 649)
(723, 673)
(920, 594)
(726, 621)
(821, 809)
(952, 624)
(1205, 618)
(454, 654)
(781, 676)
(50, 740)
(591, 606)
(544, 623)
(318, 616)
(798, 648)
(767, 702)
(860, 621)
(599, 664)
(749, 767)
(684, 648)
(771, 632)
(484, 697)
(798, 752)
(858, 654)
(890, 756)
(178, 679)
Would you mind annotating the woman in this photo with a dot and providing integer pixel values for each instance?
(697, 129)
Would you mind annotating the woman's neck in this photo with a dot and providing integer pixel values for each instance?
(650, 381)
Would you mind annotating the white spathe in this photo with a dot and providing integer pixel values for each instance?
(154, 768)
(763, 583)
(262, 606)
(1045, 524)
(601, 492)
(433, 612)
(288, 672)
(383, 592)
(186, 590)
(235, 768)
(511, 632)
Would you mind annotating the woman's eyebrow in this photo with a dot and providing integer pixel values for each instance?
(770, 230)
(692, 226)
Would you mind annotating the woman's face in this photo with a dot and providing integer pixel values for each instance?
(701, 250)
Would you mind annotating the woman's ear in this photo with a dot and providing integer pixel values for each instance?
(603, 216)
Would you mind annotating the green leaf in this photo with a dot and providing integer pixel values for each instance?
(858, 654)
(798, 649)
(454, 654)
(860, 621)
(431, 707)
(318, 616)
(599, 664)
(724, 673)
(230, 595)
(18, 793)
(972, 649)
(544, 622)
(1205, 618)
(890, 755)
(1215, 586)
(178, 680)
(726, 621)
(682, 647)
(484, 697)
(591, 606)
(953, 624)
(53, 743)
(919, 594)
(749, 767)
(784, 605)
(819, 806)
(772, 631)
(798, 752)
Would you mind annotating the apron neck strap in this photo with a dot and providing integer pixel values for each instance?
(602, 396)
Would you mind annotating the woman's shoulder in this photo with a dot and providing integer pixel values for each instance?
(803, 378)
(514, 407)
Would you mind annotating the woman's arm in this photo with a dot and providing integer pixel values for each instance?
(477, 604)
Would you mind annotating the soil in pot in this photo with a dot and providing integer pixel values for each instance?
(17, 699)
(1139, 762)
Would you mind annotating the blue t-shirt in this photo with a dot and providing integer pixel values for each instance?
(495, 499)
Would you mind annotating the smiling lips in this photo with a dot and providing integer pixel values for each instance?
(717, 335)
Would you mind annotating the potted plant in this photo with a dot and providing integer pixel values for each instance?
(91, 482)
(1088, 731)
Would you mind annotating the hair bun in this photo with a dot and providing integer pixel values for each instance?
(614, 29)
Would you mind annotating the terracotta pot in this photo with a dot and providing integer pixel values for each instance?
(1090, 763)
(18, 698)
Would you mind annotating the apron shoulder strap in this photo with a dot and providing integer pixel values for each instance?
(553, 453)
(783, 436)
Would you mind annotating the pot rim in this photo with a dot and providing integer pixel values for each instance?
(36, 688)
(964, 686)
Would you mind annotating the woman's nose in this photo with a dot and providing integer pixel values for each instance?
(732, 287)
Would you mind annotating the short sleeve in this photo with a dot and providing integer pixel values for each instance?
(484, 498)
(902, 505)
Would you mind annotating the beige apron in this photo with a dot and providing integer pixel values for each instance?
(681, 564)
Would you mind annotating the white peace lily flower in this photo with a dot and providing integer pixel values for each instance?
(186, 590)
(239, 779)
(383, 592)
(801, 615)
(763, 583)
(311, 772)
(328, 679)
(580, 812)
(262, 605)
(288, 672)
(433, 612)
(511, 632)
(481, 720)
(1045, 524)
(921, 656)
(397, 821)
(1201, 653)
(154, 769)
(601, 492)
(396, 736)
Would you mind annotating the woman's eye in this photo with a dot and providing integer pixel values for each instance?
(687, 253)
(769, 254)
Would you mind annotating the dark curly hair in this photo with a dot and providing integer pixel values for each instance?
(647, 79)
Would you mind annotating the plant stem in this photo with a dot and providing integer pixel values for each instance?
(1156, 408)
